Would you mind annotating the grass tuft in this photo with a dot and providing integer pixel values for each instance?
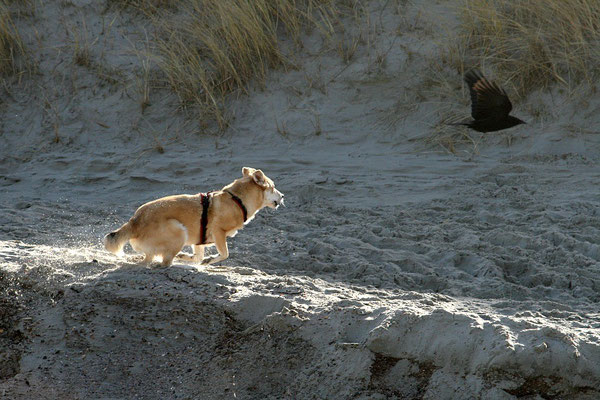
(12, 50)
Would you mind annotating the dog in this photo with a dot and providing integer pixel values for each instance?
(163, 227)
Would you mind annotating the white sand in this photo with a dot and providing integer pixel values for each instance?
(396, 271)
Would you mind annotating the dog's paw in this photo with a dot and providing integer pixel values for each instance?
(185, 257)
(207, 260)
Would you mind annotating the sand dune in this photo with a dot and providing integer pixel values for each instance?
(397, 269)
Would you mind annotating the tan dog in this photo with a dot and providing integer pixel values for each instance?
(162, 227)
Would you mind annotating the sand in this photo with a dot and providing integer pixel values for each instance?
(397, 269)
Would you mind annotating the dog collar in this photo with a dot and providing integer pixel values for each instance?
(239, 202)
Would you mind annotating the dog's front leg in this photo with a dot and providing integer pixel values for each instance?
(198, 253)
(196, 256)
(221, 245)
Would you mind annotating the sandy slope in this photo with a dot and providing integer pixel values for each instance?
(396, 271)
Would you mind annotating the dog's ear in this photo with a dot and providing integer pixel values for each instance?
(259, 178)
(247, 171)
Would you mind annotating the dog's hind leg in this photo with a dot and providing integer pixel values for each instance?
(220, 237)
(173, 237)
(141, 247)
(167, 259)
(148, 259)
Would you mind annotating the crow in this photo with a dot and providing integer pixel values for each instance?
(490, 105)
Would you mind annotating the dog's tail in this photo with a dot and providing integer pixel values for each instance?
(115, 241)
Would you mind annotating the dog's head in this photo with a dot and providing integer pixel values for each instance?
(271, 197)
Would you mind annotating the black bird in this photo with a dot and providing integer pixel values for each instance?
(490, 105)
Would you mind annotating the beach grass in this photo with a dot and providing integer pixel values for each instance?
(207, 49)
(12, 49)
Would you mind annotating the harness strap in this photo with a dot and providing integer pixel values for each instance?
(205, 199)
(239, 202)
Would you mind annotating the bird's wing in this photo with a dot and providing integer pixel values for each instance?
(488, 100)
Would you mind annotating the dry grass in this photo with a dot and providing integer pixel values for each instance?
(531, 43)
(81, 46)
(209, 48)
(12, 50)
(143, 5)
